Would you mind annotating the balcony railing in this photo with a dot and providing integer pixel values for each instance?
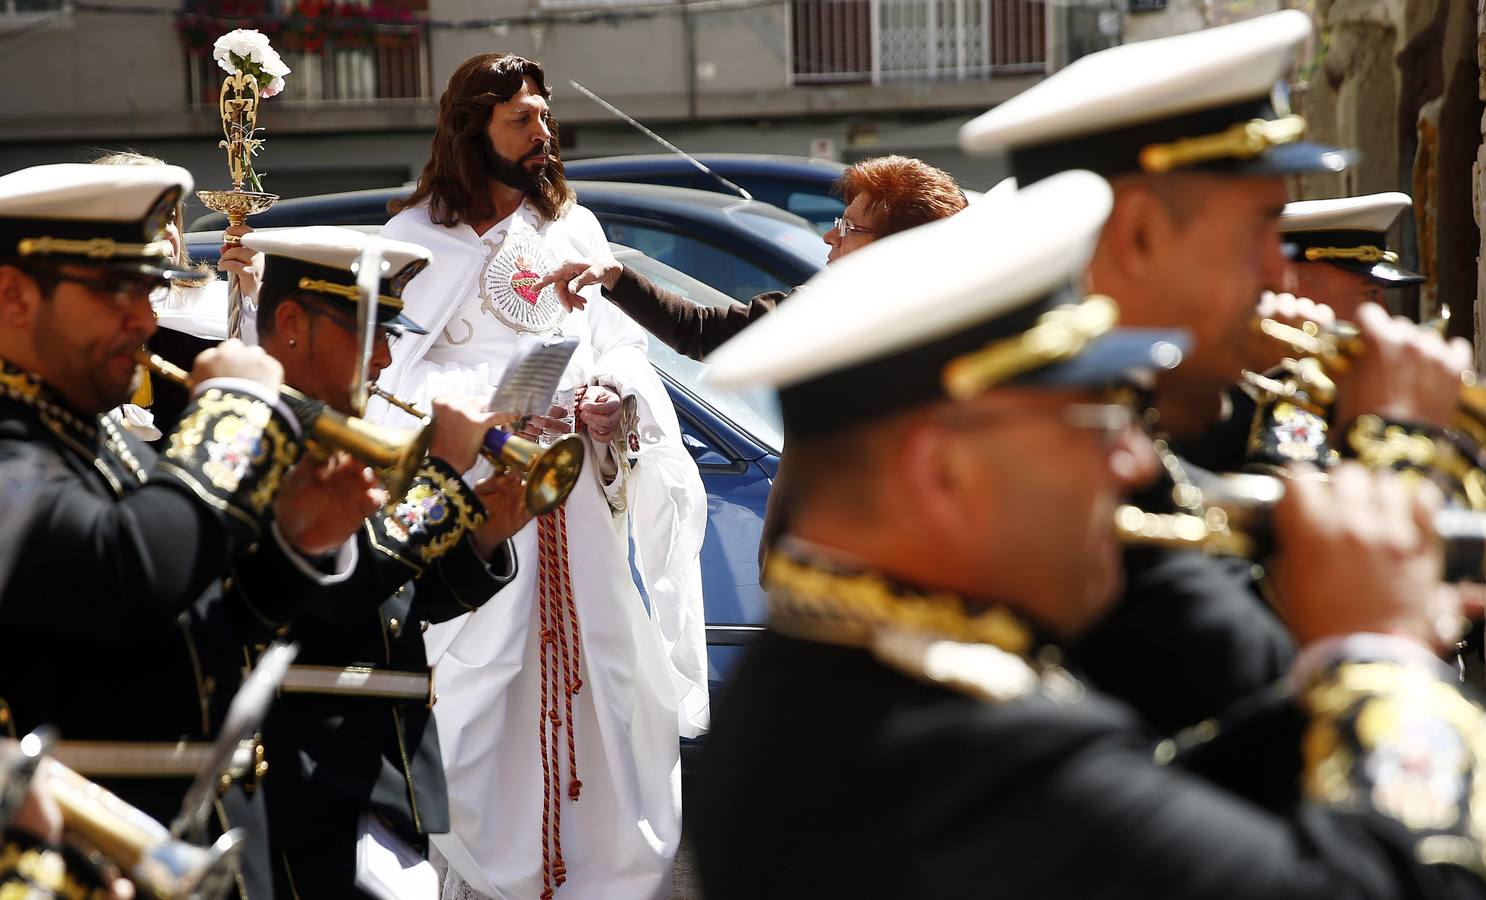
(331, 74)
(887, 41)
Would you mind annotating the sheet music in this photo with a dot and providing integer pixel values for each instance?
(532, 375)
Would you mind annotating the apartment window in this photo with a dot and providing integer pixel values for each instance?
(596, 4)
(885, 41)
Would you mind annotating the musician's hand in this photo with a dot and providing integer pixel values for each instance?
(1408, 373)
(1359, 554)
(324, 501)
(234, 359)
(1265, 353)
(575, 275)
(247, 264)
(459, 427)
(39, 815)
(504, 500)
(599, 410)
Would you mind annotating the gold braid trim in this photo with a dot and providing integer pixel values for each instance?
(1383, 446)
(430, 519)
(935, 637)
(1244, 140)
(1378, 444)
(93, 248)
(819, 604)
(466, 512)
(321, 286)
(1366, 253)
(234, 443)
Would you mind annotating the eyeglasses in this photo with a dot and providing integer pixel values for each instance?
(844, 228)
(349, 322)
(1111, 420)
(123, 288)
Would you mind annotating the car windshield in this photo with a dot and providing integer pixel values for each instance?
(755, 412)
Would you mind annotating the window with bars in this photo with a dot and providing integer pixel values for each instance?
(885, 41)
(597, 4)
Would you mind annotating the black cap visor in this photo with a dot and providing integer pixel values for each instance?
(400, 324)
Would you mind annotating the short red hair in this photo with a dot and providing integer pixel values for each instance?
(904, 192)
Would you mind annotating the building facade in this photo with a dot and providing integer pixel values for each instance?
(843, 78)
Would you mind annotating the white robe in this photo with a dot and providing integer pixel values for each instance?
(644, 672)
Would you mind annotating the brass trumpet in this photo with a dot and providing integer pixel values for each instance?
(548, 473)
(158, 864)
(1334, 349)
(395, 454)
(1237, 523)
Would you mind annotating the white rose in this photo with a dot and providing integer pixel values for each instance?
(245, 43)
(273, 64)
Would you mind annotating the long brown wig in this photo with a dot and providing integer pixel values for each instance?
(456, 181)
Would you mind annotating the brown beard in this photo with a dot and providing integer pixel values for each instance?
(515, 174)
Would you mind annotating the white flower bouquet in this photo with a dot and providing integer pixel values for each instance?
(247, 52)
(249, 61)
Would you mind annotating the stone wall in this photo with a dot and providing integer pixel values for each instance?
(1399, 80)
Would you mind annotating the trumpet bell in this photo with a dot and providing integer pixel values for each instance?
(549, 472)
(179, 870)
(396, 453)
(553, 474)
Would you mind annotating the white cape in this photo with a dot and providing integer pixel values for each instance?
(644, 671)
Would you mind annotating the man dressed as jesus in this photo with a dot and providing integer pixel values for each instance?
(559, 702)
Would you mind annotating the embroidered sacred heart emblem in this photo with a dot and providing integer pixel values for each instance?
(524, 281)
(508, 286)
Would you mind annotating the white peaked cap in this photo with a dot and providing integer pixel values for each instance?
(1373, 212)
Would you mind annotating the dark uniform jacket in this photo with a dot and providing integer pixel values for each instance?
(1191, 636)
(971, 764)
(114, 625)
(336, 756)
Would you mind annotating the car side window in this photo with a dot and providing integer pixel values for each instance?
(820, 210)
(731, 274)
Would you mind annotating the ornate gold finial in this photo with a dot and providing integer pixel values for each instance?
(239, 107)
(254, 72)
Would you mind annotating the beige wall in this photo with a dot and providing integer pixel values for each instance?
(112, 73)
(120, 76)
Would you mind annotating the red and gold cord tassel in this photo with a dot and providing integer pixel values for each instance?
(559, 648)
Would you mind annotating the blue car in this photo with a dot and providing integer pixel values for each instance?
(734, 438)
(740, 247)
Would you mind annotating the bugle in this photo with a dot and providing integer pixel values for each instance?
(547, 473)
(1333, 349)
(159, 865)
(395, 454)
(1237, 523)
